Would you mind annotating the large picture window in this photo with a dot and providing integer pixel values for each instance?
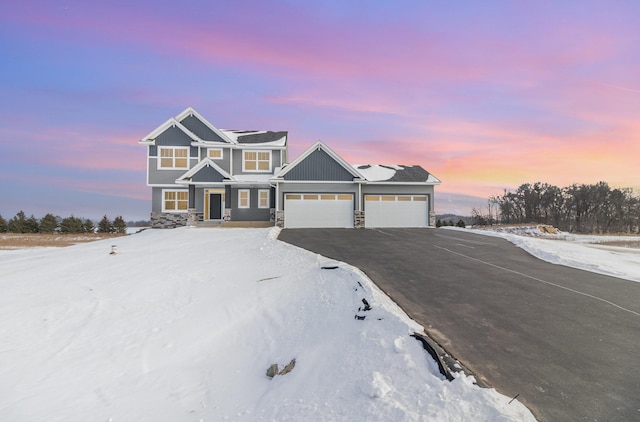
(173, 158)
(175, 200)
(256, 161)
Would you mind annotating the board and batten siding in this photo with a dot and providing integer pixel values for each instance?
(207, 174)
(318, 166)
(201, 130)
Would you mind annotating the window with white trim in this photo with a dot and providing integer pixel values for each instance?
(243, 198)
(263, 198)
(173, 157)
(256, 161)
(214, 153)
(175, 200)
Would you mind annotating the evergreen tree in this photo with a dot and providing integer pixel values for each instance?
(3, 224)
(461, 224)
(104, 226)
(439, 223)
(31, 225)
(17, 223)
(119, 226)
(48, 224)
(71, 225)
(89, 227)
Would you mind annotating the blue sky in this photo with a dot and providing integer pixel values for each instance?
(485, 95)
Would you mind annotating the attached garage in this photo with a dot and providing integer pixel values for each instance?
(396, 210)
(322, 210)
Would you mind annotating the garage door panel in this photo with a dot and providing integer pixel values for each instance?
(320, 210)
(395, 211)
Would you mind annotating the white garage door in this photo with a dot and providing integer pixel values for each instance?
(395, 211)
(318, 210)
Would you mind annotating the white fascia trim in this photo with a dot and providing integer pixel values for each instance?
(208, 162)
(150, 139)
(316, 182)
(261, 146)
(213, 184)
(190, 111)
(320, 145)
(404, 183)
(247, 183)
(173, 186)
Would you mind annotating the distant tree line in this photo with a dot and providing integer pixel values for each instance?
(443, 222)
(20, 223)
(577, 208)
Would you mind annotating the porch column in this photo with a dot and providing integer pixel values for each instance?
(192, 197)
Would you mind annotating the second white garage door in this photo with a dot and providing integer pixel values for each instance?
(308, 210)
(395, 211)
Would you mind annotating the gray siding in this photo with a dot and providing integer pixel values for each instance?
(164, 177)
(224, 163)
(318, 166)
(156, 200)
(196, 126)
(247, 214)
(199, 199)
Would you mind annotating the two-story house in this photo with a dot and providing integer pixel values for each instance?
(198, 172)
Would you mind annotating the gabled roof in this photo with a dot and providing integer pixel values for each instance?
(319, 146)
(150, 139)
(396, 174)
(207, 162)
(190, 111)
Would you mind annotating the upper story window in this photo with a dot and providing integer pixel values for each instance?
(214, 153)
(256, 161)
(173, 158)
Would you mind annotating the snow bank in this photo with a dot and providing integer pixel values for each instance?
(181, 325)
(577, 251)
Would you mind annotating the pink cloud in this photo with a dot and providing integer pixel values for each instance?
(76, 147)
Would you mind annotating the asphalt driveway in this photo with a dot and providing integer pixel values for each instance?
(567, 341)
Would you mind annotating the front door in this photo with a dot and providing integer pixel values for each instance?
(215, 206)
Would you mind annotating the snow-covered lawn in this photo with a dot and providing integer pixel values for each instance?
(585, 252)
(181, 325)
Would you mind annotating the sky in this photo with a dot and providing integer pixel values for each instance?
(485, 95)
